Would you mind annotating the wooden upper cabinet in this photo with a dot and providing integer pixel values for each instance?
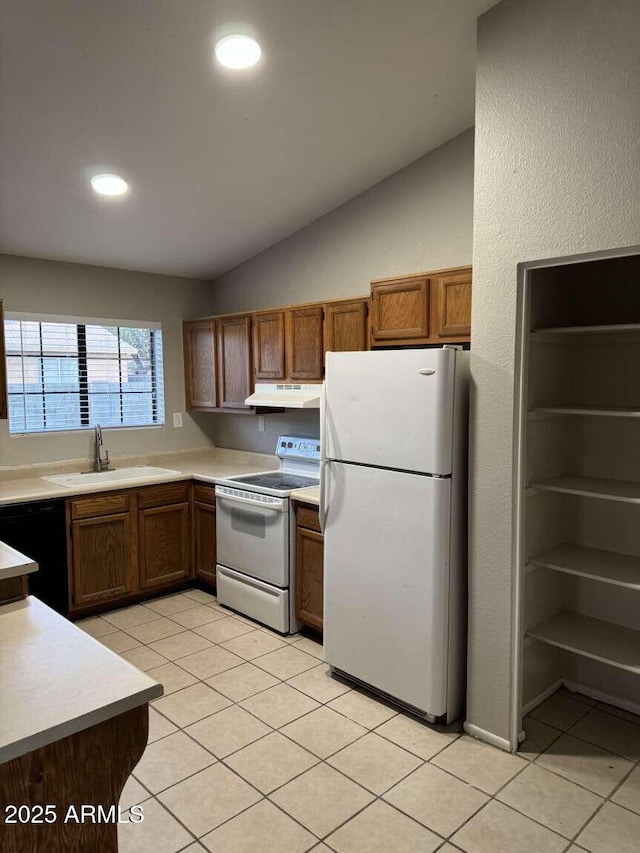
(201, 387)
(345, 325)
(4, 413)
(303, 346)
(400, 311)
(451, 305)
(235, 381)
(268, 345)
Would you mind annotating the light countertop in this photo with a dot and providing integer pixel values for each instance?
(13, 563)
(56, 680)
(206, 468)
(310, 495)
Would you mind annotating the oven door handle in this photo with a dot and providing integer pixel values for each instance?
(256, 505)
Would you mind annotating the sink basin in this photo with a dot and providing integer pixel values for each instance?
(92, 478)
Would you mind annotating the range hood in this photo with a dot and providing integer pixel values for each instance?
(286, 396)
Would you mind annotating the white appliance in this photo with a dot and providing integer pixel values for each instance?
(254, 535)
(393, 429)
(286, 396)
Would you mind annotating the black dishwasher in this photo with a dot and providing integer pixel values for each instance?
(38, 529)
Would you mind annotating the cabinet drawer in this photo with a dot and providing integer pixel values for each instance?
(100, 505)
(168, 493)
(308, 517)
(205, 494)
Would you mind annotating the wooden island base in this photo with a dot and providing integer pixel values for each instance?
(88, 768)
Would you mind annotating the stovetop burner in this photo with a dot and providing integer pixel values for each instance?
(277, 480)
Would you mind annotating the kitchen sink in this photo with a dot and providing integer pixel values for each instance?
(117, 475)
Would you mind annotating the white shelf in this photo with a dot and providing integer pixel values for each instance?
(599, 411)
(593, 563)
(586, 330)
(591, 638)
(625, 491)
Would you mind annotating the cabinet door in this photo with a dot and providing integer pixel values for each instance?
(201, 390)
(204, 536)
(4, 412)
(304, 343)
(163, 545)
(309, 577)
(400, 311)
(268, 345)
(345, 326)
(234, 361)
(103, 564)
(451, 305)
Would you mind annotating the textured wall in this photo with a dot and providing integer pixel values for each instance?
(557, 172)
(418, 219)
(50, 287)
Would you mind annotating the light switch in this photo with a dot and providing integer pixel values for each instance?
(260, 423)
(177, 419)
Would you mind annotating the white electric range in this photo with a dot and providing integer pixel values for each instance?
(255, 533)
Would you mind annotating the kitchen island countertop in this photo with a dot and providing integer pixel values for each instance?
(57, 680)
(13, 564)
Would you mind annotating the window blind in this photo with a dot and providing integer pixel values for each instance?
(70, 373)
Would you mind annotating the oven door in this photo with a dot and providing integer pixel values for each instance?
(252, 534)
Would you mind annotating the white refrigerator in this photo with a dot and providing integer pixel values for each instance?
(393, 511)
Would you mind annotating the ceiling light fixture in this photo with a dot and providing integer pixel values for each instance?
(109, 184)
(238, 51)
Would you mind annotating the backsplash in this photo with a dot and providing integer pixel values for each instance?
(240, 432)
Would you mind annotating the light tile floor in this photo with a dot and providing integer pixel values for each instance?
(255, 748)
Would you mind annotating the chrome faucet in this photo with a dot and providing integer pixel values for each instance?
(100, 462)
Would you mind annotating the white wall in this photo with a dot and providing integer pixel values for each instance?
(557, 173)
(51, 287)
(417, 219)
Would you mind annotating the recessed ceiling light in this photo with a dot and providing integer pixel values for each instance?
(109, 184)
(238, 51)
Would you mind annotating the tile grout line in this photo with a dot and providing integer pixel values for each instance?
(319, 760)
(325, 760)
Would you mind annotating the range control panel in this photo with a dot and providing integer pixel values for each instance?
(294, 447)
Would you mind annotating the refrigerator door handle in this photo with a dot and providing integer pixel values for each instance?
(323, 422)
(323, 452)
(322, 509)
(427, 371)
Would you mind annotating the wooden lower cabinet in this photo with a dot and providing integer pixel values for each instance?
(163, 545)
(125, 543)
(103, 560)
(204, 533)
(309, 567)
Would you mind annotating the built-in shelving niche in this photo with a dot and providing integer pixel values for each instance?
(579, 518)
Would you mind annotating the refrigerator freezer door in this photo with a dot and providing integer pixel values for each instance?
(391, 409)
(386, 581)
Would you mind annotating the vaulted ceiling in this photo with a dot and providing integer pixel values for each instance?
(220, 164)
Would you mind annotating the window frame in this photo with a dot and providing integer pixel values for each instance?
(83, 356)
